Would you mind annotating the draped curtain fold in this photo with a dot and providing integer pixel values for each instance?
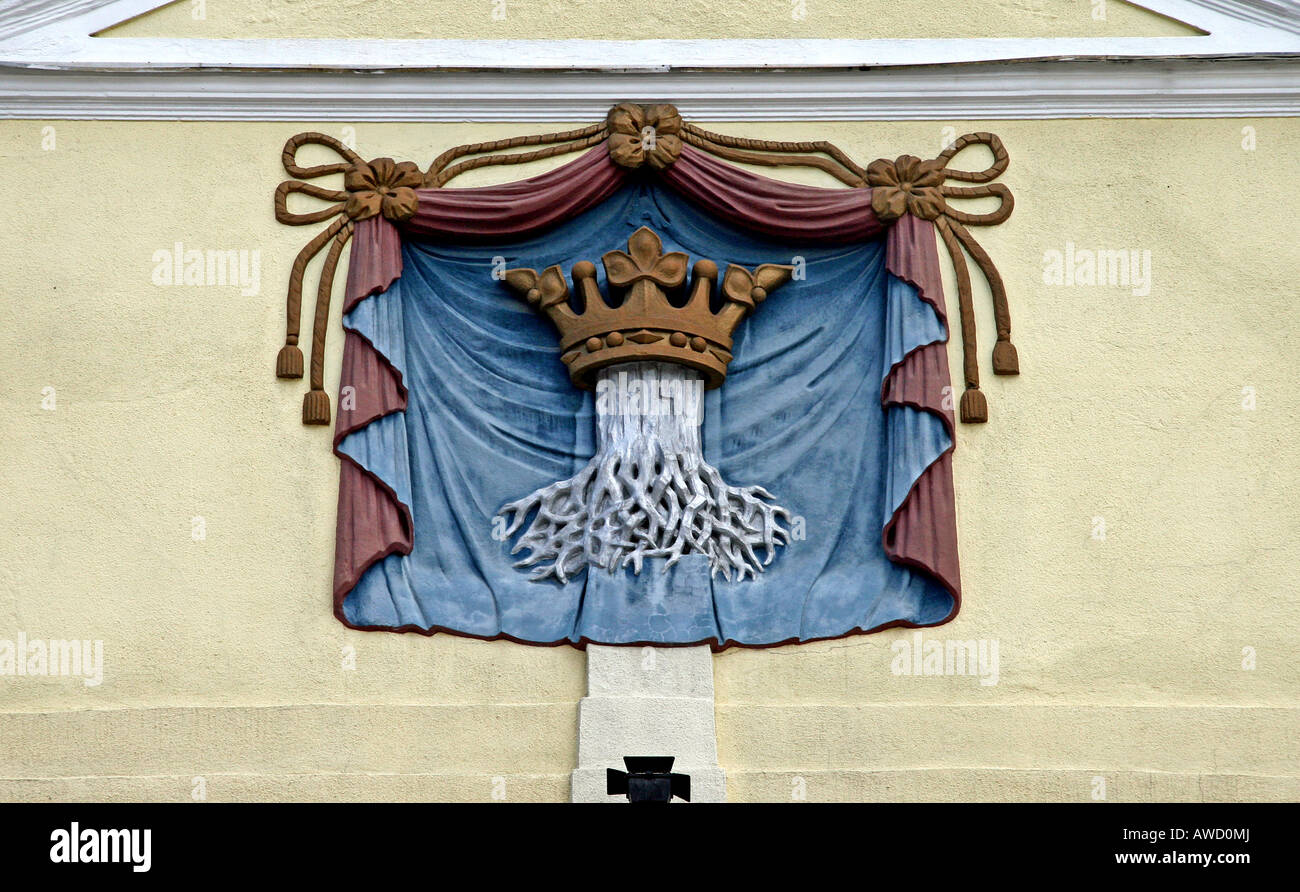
(375, 520)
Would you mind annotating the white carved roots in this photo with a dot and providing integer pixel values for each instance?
(648, 491)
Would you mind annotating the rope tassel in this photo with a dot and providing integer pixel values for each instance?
(1005, 359)
(316, 402)
(315, 407)
(909, 185)
(289, 361)
(974, 405)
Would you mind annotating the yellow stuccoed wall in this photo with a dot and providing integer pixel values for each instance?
(621, 20)
(1120, 656)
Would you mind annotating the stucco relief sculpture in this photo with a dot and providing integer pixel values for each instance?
(786, 473)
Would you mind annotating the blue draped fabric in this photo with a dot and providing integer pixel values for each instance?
(492, 416)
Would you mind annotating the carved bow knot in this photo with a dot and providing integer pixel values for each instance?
(382, 187)
(907, 186)
(644, 134)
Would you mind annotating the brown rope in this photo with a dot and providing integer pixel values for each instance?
(767, 145)
(1005, 359)
(1001, 160)
(974, 407)
(284, 215)
(316, 402)
(518, 158)
(992, 217)
(289, 363)
(434, 178)
(290, 161)
(743, 156)
(908, 185)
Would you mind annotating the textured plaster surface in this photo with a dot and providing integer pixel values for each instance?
(616, 20)
(648, 701)
(1120, 643)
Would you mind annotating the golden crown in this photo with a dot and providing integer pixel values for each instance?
(654, 316)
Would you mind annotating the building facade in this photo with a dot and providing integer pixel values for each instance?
(1125, 520)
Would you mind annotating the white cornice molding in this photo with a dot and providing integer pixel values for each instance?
(51, 68)
(378, 56)
(1033, 90)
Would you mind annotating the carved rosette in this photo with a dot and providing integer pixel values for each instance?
(652, 322)
(644, 134)
(382, 186)
(907, 186)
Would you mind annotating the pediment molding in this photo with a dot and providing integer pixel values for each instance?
(50, 67)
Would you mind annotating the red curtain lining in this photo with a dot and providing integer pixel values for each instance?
(373, 524)
(513, 211)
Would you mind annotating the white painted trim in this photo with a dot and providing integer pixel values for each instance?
(62, 41)
(155, 54)
(648, 701)
(1034, 90)
(51, 68)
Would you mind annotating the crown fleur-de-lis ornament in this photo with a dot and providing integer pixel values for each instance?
(643, 263)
